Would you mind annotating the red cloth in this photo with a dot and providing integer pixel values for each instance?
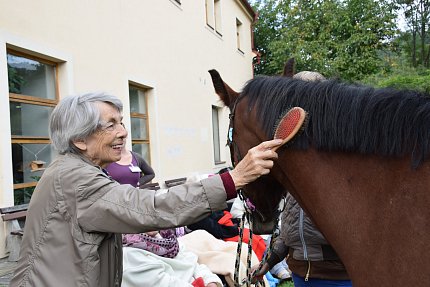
(198, 282)
(226, 219)
(258, 244)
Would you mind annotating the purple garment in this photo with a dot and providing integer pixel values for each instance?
(123, 174)
(167, 246)
(180, 231)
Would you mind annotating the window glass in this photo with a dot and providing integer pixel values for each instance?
(215, 133)
(29, 161)
(141, 149)
(137, 101)
(30, 77)
(239, 34)
(217, 12)
(138, 129)
(23, 195)
(29, 120)
(210, 17)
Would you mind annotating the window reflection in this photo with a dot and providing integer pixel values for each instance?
(30, 77)
(137, 100)
(138, 129)
(29, 120)
(142, 149)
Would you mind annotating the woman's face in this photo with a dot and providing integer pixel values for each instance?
(104, 146)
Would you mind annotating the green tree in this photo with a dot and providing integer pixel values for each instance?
(417, 16)
(369, 30)
(15, 80)
(307, 35)
(267, 30)
(336, 38)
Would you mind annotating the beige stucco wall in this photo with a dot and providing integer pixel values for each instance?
(104, 44)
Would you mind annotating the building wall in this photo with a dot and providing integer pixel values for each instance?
(104, 45)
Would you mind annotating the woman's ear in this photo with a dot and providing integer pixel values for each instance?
(80, 144)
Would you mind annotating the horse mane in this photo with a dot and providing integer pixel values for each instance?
(346, 117)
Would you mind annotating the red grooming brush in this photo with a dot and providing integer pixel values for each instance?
(289, 125)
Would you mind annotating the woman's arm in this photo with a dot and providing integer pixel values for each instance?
(147, 172)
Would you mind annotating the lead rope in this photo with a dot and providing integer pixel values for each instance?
(248, 217)
(248, 259)
(239, 251)
(275, 233)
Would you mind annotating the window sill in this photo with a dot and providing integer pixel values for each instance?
(213, 31)
(177, 3)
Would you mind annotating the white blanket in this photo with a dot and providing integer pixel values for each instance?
(142, 268)
(218, 255)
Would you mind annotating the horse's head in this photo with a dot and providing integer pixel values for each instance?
(245, 132)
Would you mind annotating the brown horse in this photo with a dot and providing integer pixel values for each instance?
(359, 168)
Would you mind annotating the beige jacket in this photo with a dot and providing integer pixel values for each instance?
(69, 236)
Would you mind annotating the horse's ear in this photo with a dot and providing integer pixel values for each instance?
(226, 94)
(289, 68)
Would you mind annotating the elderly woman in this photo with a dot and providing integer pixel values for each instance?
(76, 212)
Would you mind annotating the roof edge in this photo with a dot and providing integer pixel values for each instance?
(249, 9)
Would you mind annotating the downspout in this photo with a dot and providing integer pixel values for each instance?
(257, 54)
(255, 19)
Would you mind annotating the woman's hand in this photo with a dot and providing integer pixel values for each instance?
(257, 162)
(212, 284)
(257, 274)
(152, 233)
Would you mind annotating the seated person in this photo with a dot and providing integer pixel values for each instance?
(158, 259)
(213, 225)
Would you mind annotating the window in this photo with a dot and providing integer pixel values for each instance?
(215, 134)
(139, 121)
(239, 34)
(213, 15)
(33, 94)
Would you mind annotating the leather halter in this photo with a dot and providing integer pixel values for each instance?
(230, 142)
(234, 149)
(249, 209)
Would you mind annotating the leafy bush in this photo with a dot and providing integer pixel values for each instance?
(402, 79)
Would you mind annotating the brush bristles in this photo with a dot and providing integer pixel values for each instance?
(290, 124)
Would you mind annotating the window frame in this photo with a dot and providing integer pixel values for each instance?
(239, 32)
(144, 116)
(213, 15)
(216, 137)
(32, 100)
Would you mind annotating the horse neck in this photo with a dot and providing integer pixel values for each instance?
(358, 201)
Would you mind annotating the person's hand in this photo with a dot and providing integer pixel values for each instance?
(257, 162)
(257, 274)
(152, 233)
(212, 284)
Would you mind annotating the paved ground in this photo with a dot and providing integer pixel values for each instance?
(6, 271)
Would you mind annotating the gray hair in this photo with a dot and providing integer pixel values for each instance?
(309, 76)
(76, 118)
